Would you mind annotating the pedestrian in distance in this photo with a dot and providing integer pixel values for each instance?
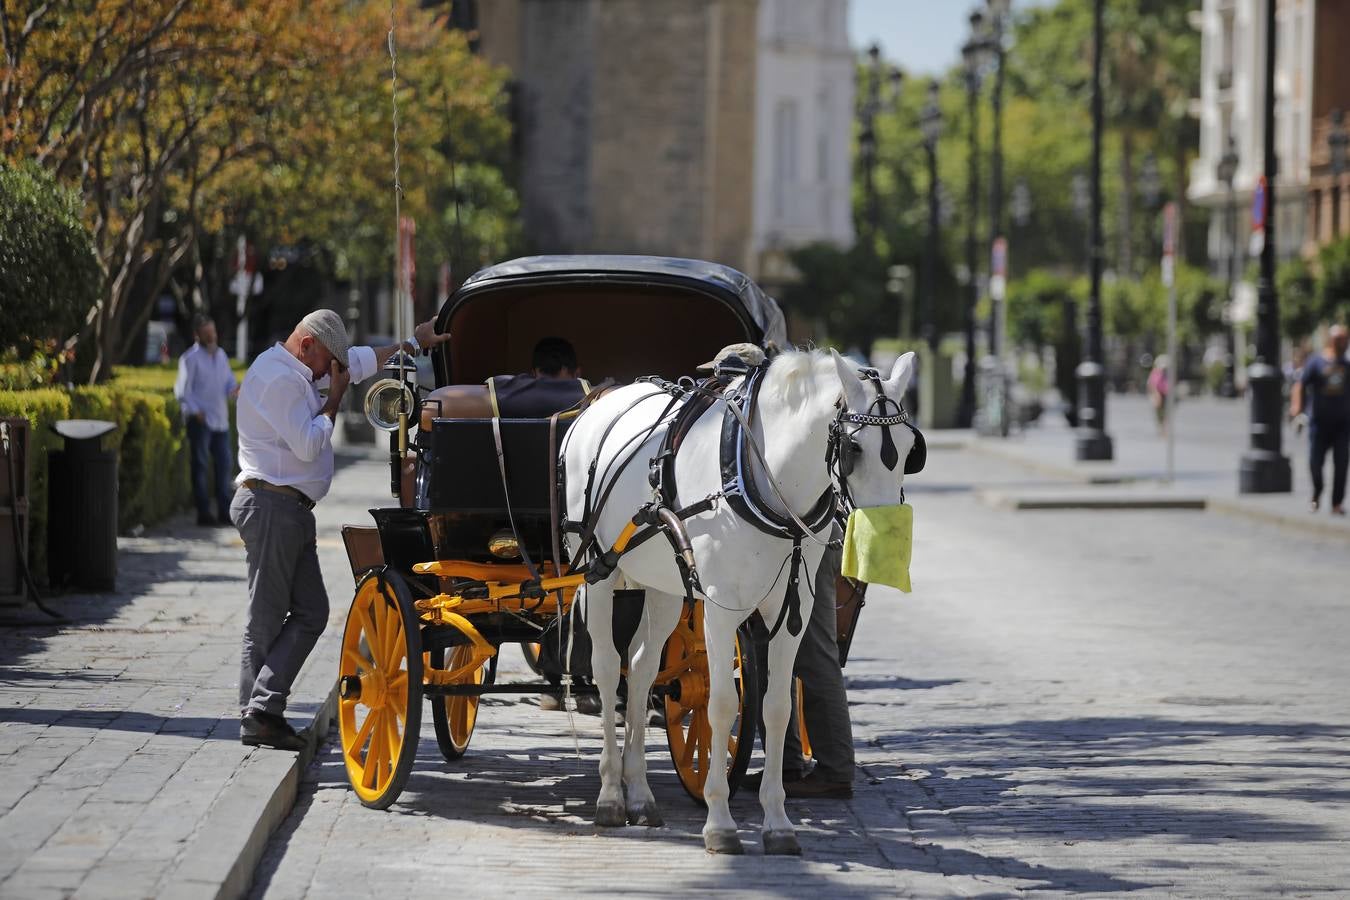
(288, 406)
(204, 387)
(1159, 386)
(1321, 398)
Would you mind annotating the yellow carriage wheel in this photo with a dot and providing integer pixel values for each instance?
(688, 731)
(454, 717)
(380, 688)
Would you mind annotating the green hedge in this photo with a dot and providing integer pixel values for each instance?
(150, 440)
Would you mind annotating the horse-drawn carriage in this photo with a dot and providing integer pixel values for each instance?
(501, 522)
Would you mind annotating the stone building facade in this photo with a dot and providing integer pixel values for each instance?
(657, 126)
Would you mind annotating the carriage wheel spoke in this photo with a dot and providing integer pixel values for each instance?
(393, 738)
(354, 660)
(363, 615)
(354, 752)
(371, 771)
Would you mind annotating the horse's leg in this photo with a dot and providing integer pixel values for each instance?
(659, 615)
(719, 637)
(778, 834)
(605, 667)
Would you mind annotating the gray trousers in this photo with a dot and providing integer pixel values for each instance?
(824, 700)
(287, 602)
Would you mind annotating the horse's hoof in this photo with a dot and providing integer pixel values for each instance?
(610, 814)
(722, 840)
(781, 843)
(647, 814)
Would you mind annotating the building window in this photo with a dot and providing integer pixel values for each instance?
(1335, 212)
(1315, 207)
(784, 153)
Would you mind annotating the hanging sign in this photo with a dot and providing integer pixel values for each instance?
(1259, 220)
(998, 268)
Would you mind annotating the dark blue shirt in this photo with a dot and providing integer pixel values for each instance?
(1326, 388)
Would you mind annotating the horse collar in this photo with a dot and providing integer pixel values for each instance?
(738, 484)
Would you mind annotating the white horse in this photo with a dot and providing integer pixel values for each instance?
(741, 568)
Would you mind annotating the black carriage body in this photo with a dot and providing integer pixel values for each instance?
(626, 315)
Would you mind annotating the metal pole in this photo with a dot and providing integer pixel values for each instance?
(972, 261)
(1264, 469)
(930, 331)
(1169, 276)
(1093, 443)
(1229, 386)
(996, 186)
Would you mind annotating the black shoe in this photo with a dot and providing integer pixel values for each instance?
(815, 786)
(260, 729)
(755, 779)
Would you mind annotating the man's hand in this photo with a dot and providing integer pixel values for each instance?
(338, 379)
(427, 337)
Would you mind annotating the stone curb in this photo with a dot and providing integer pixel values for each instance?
(1210, 502)
(225, 852)
(1027, 501)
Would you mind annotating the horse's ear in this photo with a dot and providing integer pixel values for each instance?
(854, 395)
(901, 373)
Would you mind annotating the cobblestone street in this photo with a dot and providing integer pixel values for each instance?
(1072, 701)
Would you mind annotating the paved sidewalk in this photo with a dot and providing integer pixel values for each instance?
(1211, 438)
(124, 775)
(1069, 702)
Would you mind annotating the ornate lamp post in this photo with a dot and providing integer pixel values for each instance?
(973, 57)
(1093, 443)
(1264, 468)
(930, 125)
(997, 18)
(867, 138)
(1227, 171)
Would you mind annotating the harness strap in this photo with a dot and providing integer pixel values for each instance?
(506, 495)
(791, 610)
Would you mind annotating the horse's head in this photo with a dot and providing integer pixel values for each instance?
(873, 444)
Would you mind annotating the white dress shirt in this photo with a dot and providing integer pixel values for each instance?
(283, 438)
(204, 384)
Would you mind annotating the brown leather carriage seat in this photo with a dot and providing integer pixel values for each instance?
(456, 401)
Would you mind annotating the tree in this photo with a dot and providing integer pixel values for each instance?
(177, 120)
(48, 273)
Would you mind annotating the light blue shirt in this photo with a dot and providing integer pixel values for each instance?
(204, 385)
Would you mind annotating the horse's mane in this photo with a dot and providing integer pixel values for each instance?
(801, 379)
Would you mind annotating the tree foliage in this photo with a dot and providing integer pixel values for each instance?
(179, 120)
(49, 276)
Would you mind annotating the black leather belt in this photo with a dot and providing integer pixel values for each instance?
(257, 484)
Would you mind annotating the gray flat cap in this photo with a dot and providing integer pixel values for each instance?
(328, 328)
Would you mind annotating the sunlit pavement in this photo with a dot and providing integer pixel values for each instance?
(1083, 702)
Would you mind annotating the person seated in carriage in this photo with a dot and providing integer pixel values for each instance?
(553, 384)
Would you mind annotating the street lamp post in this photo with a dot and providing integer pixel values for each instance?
(1264, 468)
(867, 139)
(1093, 443)
(994, 49)
(972, 54)
(1227, 171)
(930, 124)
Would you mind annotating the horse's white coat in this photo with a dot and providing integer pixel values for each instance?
(741, 568)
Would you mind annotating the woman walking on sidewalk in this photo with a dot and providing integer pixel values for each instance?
(1325, 386)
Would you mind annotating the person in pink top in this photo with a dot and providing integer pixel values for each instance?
(1159, 384)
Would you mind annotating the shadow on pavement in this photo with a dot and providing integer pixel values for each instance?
(1080, 782)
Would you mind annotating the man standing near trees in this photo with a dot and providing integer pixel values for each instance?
(286, 466)
(204, 386)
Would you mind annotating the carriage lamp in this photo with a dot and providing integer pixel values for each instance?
(385, 400)
(504, 545)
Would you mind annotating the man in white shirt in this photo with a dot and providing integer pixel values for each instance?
(286, 465)
(203, 388)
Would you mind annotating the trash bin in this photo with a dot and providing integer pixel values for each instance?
(82, 507)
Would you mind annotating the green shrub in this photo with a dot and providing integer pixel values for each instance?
(49, 277)
(150, 442)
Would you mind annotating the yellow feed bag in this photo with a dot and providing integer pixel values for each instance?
(877, 545)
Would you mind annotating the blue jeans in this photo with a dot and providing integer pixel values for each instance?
(1333, 436)
(208, 448)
